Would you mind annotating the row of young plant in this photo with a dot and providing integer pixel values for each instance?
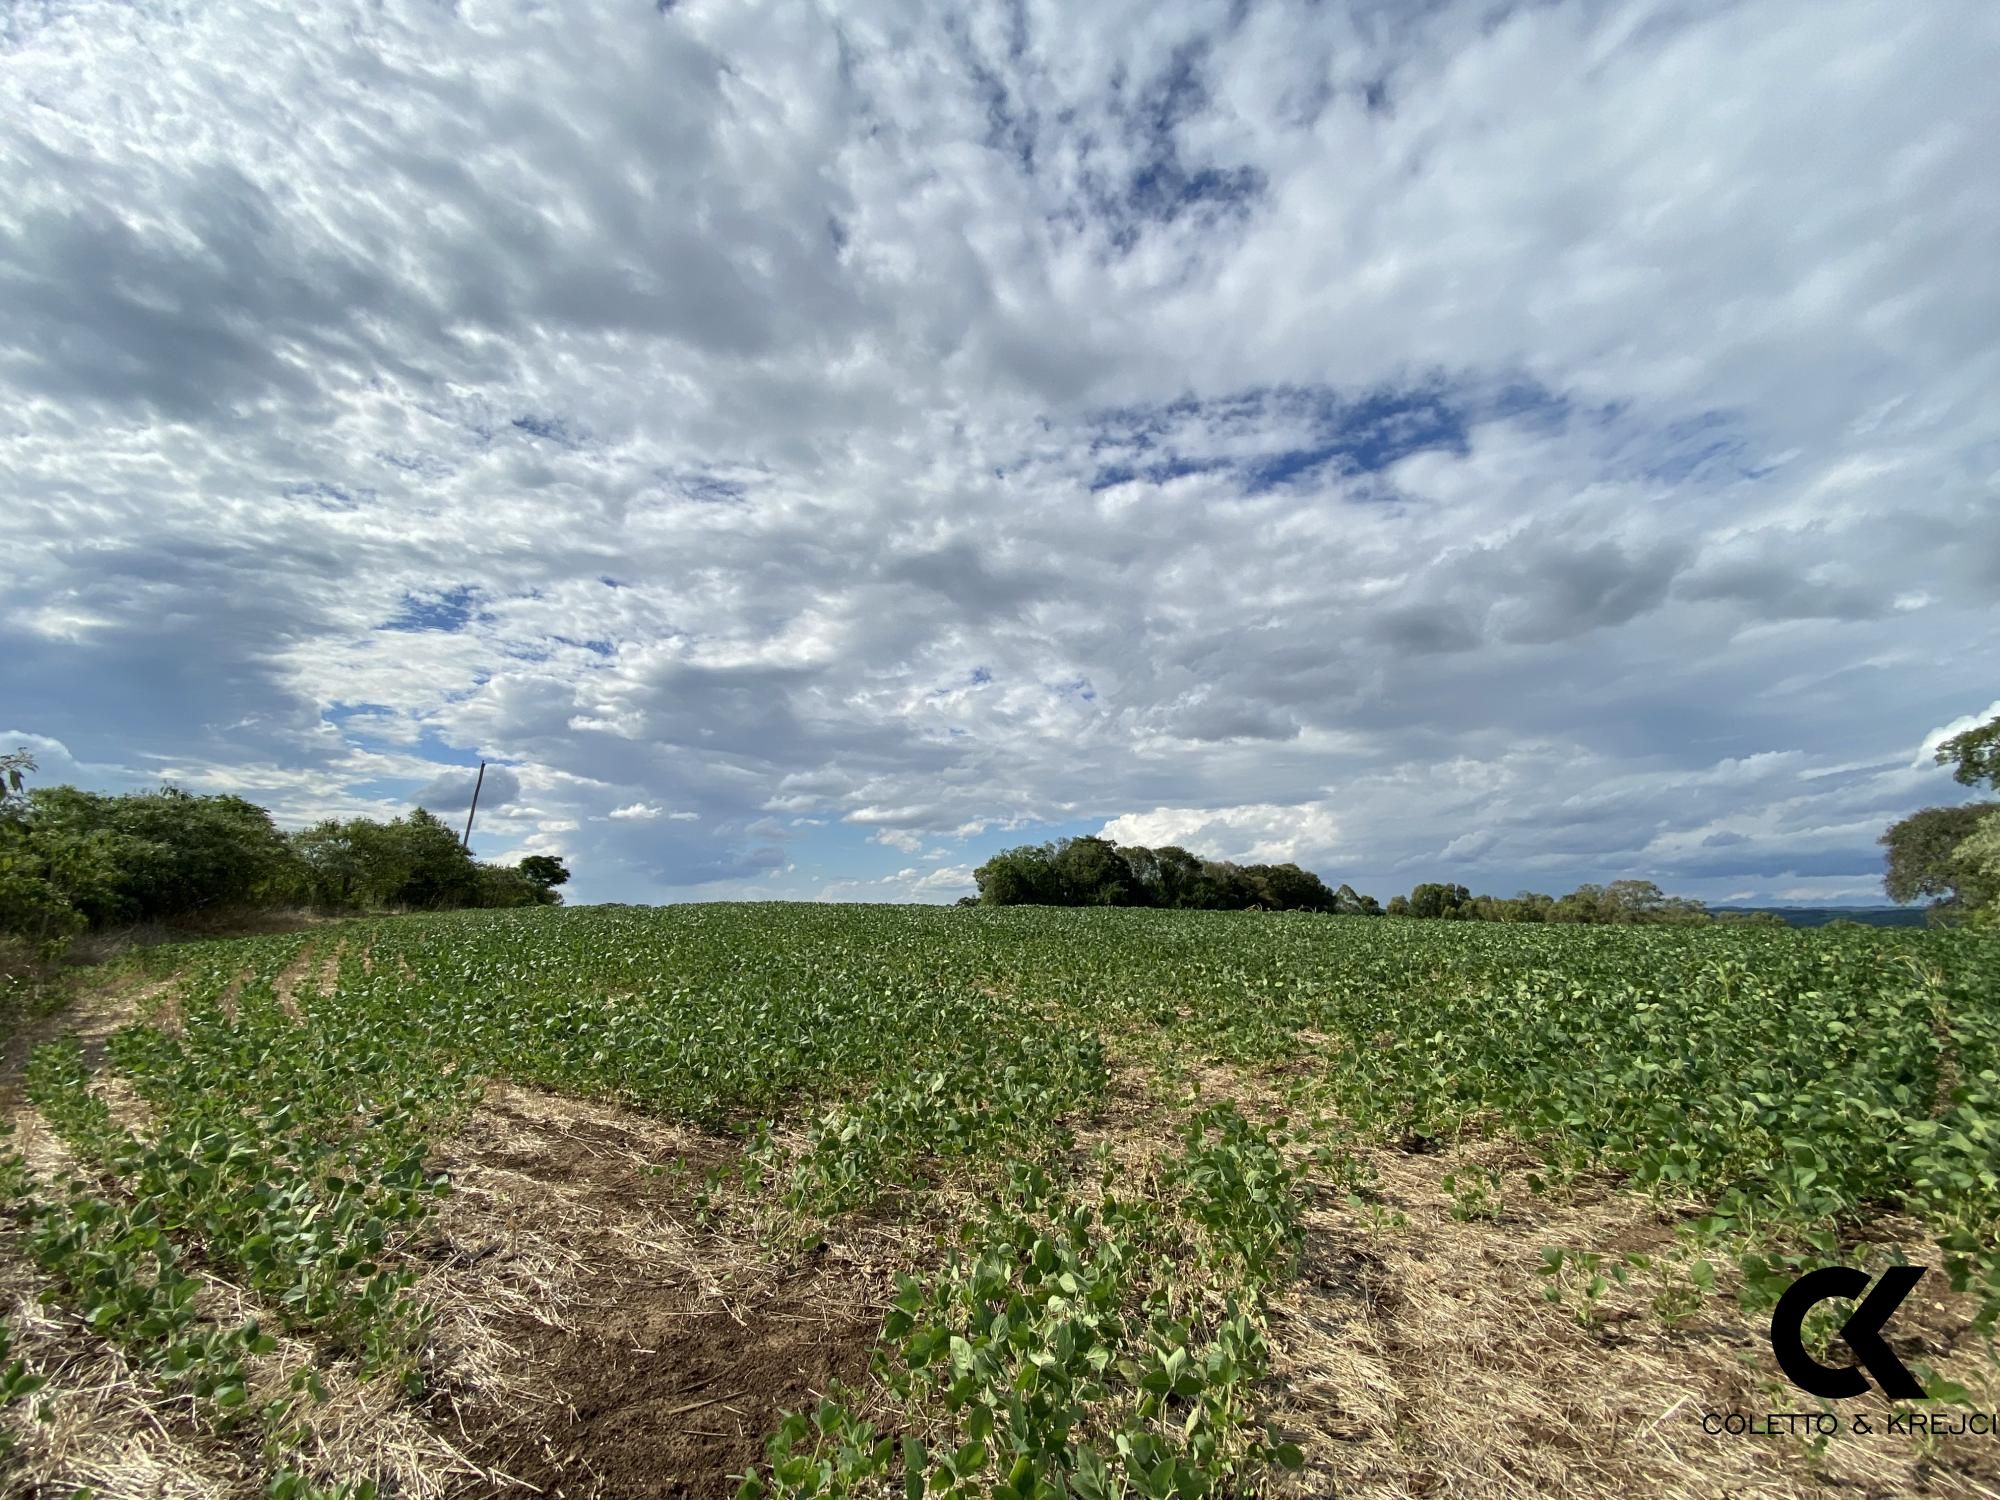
(997, 1097)
(1758, 1072)
(1098, 1346)
(284, 1154)
(1796, 1104)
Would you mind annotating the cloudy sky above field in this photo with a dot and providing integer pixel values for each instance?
(808, 447)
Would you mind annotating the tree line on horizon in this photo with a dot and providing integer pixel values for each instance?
(1949, 856)
(73, 861)
(1093, 871)
(1090, 871)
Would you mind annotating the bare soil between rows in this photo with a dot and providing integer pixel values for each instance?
(599, 1340)
(664, 1404)
(668, 1361)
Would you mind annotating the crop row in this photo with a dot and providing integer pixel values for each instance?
(1797, 1084)
(1095, 1346)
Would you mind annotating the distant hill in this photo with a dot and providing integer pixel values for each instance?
(1819, 916)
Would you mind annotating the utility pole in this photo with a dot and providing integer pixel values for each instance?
(466, 842)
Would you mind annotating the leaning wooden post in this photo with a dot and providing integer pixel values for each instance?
(466, 842)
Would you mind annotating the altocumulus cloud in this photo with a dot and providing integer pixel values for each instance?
(1525, 446)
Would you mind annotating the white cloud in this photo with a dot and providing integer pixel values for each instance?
(1550, 436)
(1927, 751)
(932, 887)
(1260, 833)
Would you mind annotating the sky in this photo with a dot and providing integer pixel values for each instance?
(806, 448)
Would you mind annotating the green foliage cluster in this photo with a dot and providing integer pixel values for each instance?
(1620, 902)
(1096, 872)
(1944, 855)
(999, 1097)
(16, 1382)
(415, 863)
(1082, 1349)
(1973, 755)
(287, 1151)
(1950, 856)
(1111, 1342)
(72, 860)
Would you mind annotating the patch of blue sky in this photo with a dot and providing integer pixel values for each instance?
(368, 726)
(432, 748)
(710, 489)
(1268, 438)
(1697, 446)
(449, 609)
(553, 429)
(423, 465)
(342, 712)
(977, 677)
(384, 789)
(329, 496)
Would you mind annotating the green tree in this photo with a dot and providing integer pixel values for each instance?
(1587, 904)
(1974, 755)
(1531, 906)
(1286, 887)
(1435, 899)
(14, 767)
(545, 870)
(1643, 901)
(148, 856)
(33, 909)
(508, 886)
(439, 873)
(1148, 879)
(362, 865)
(1977, 859)
(339, 865)
(1024, 876)
(1091, 872)
(1180, 876)
(1922, 854)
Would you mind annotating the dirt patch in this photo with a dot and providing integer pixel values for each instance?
(300, 971)
(1417, 1356)
(593, 1339)
(663, 1400)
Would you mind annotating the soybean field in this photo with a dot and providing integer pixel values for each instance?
(795, 1200)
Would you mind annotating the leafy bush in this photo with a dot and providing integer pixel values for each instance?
(1095, 872)
(71, 859)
